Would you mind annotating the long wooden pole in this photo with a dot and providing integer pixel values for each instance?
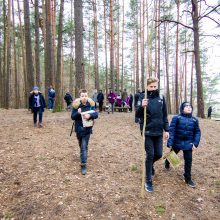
(143, 147)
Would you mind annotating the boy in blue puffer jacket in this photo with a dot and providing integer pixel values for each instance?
(184, 135)
(83, 113)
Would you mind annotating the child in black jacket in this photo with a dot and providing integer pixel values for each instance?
(156, 122)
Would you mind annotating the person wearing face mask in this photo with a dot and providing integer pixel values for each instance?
(156, 123)
(184, 135)
(83, 114)
(37, 105)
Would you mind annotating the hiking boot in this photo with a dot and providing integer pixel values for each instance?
(190, 183)
(166, 165)
(149, 186)
(153, 172)
(83, 169)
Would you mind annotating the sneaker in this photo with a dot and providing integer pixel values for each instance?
(35, 125)
(190, 183)
(149, 186)
(166, 165)
(83, 169)
(40, 125)
(153, 172)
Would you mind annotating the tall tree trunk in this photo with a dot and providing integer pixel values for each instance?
(122, 46)
(37, 45)
(148, 69)
(166, 53)
(177, 57)
(79, 60)
(71, 52)
(96, 56)
(16, 86)
(158, 52)
(106, 52)
(49, 56)
(23, 54)
(29, 61)
(137, 61)
(118, 52)
(200, 99)
(8, 75)
(156, 32)
(1, 67)
(111, 46)
(191, 80)
(58, 84)
(142, 30)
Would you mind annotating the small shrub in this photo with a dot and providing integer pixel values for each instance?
(134, 168)
(160, 210)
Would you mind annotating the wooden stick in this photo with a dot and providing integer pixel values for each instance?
(143, 148)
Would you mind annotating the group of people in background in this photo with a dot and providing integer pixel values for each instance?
(120, 100)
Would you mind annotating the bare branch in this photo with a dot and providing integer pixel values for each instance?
(176, 22)
(213, 20)
(205, 15)
(211, 35)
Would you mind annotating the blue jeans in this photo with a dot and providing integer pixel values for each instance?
(50, 103)
(154, 151)
(40, 111)
(83, 144)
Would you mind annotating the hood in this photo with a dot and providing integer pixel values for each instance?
(181, 109)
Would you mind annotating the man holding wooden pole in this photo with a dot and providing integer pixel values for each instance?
(156, 122)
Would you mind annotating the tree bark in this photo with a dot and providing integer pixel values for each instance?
(49, 56)
(106, 51)
(8, 74)
(16, 86)
(177, 66)
(71, 52)
(79, 60)
(96, 55)
(58, 85)
(23, 54)
(37, 45)
(29, 61)
(111, 46)
(122, 46)
(200, 99)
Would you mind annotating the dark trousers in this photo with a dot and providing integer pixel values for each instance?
(187, 155)
(154, 150)
(37, 110)
(100, 106)
(83, 144)
(112, 107)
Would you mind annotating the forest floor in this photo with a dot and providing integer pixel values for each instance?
(40, 174)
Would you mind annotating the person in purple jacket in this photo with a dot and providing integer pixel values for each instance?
(111, 99)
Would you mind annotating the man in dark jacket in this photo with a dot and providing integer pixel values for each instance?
(136, 99)
(51, 97)
(131, 102)
(100, 99)
(37, 105)
(156, 122)
(68, 98)
(184, 135)
(83, 113)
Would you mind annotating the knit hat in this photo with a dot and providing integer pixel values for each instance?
(186, 104)
(35, 88)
